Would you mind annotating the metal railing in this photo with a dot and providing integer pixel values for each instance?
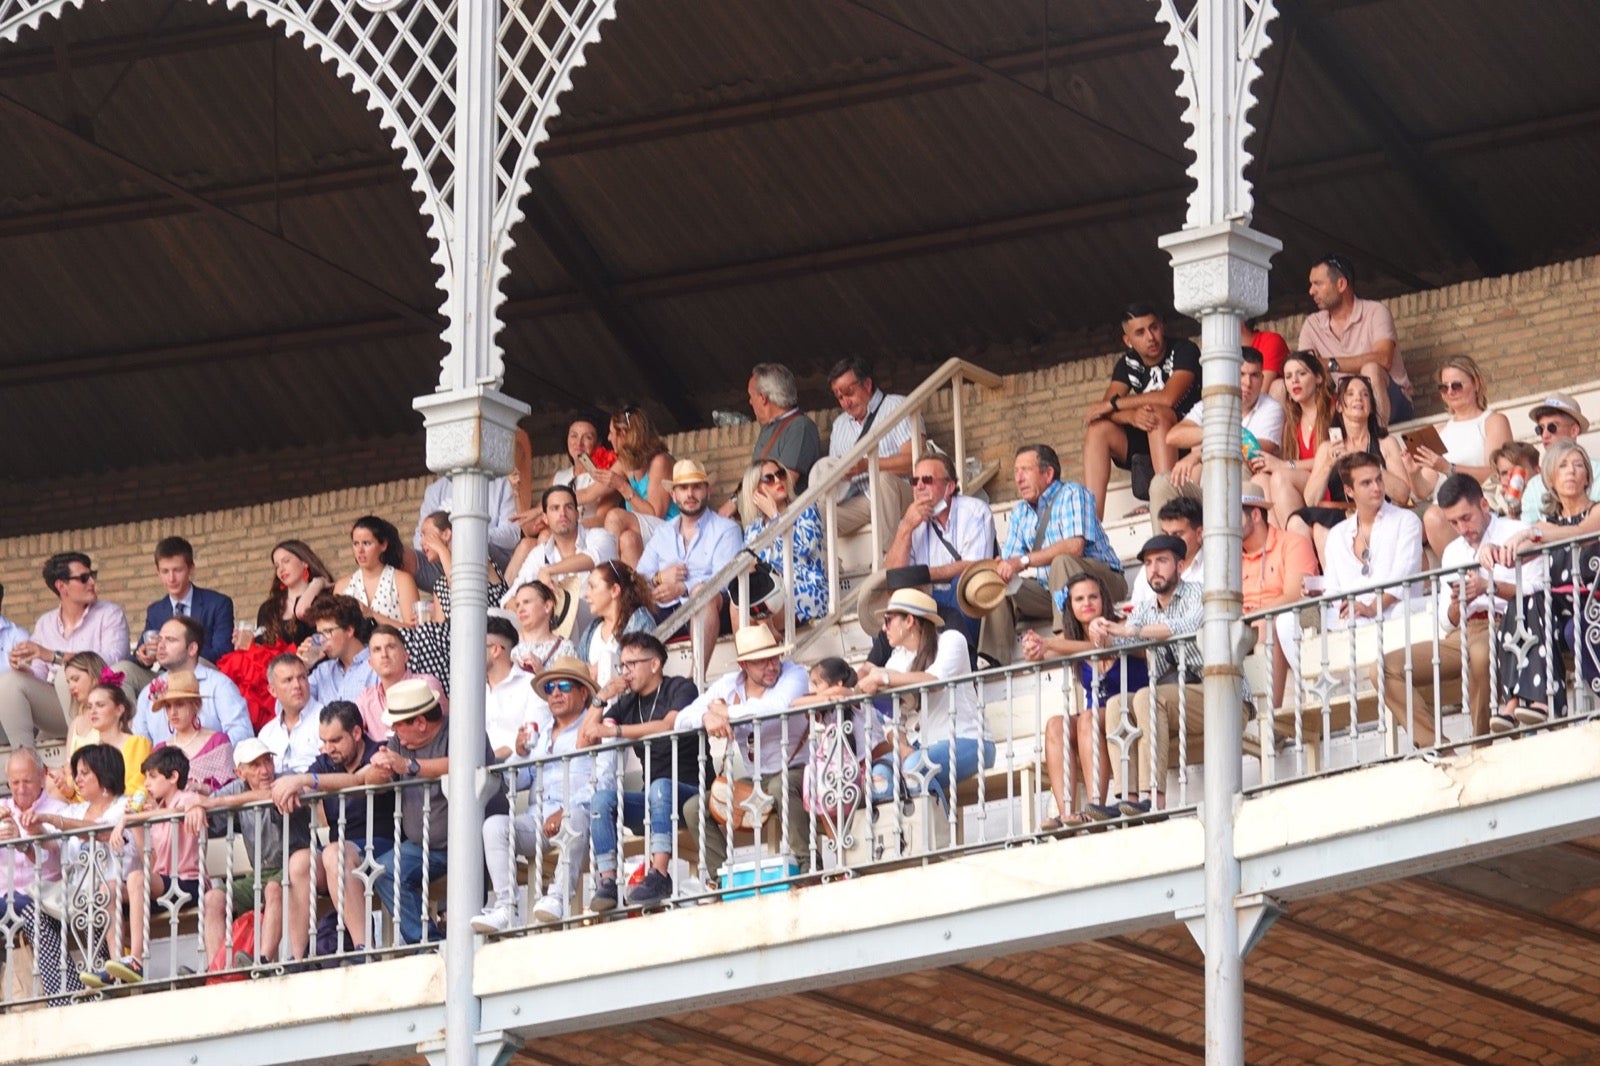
(955, 373)
(1413, 680)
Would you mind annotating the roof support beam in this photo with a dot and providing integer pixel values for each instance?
(547, 212)
(56, 131)
(32, 62)
(920, 1031)
(1304, 1006)
(1457, 220)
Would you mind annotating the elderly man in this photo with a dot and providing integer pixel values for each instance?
(1153, 385)
(563, 785)
(646, 714)
(688, 550)
(788, 435)
(33, 693)
(261, 830)
(944, 531)
(222, 707)
(865, 407)
(1262, 420)
(1559, 417)
(418, 755)
(1174, 615)
(1355, 336)
(1465, 641)
(20, 864)
(1055, 533)
(568, 552)
(291, 734)
(386, 654)
(342, 764)
(773, 745)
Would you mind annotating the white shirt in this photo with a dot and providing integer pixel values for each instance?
(939, 721)
(1395, 553)
(1264, 421)
(294, 750)
(11, 635)
(1458, 553)
(509, 704)
(846, 432)
(779, 735)
(570, 782)
(970, 531)
(504, 534)
(222, 707)
(597, 544)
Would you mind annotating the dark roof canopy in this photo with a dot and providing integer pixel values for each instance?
(209, 245)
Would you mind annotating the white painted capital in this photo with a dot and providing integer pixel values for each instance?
(1223, 267)
(471, 429)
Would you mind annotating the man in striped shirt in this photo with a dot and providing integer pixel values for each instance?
(865, 408)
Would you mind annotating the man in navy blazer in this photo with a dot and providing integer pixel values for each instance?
(213, 610)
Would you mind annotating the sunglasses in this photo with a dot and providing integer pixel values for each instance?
(1452, 387)
(1546, 428)
(1340, 265)
(771, 478)
(887, 615)
(926, 479)
(559, 686)
(85, 577)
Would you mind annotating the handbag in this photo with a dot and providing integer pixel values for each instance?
(737, 801)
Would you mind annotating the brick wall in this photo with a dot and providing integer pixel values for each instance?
(1519, 327)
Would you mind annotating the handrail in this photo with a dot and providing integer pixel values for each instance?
(954, 369)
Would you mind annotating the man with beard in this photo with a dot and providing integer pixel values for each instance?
(686, 551)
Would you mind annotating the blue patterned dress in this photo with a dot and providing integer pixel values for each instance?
(810, 578)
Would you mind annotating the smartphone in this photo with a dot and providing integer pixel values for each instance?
(941, 508)
(587, 463)
(1336, 434)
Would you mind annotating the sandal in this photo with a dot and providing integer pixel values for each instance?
(1502, 723)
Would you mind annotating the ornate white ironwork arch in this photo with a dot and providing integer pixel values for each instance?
(402, 56)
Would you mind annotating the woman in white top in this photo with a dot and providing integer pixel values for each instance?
(386, 593)
(952, 731)
(1470, 436)
(619, 600)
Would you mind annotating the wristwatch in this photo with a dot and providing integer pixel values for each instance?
(413, 768)
(1333, 366)
(1023, 559)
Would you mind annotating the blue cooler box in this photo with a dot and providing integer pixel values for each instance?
(754, 871)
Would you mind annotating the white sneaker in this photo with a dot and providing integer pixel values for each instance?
(550, 909)
(495, 919)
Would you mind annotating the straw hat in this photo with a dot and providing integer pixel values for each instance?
(1561, 403)
(757, 642)
(180, 685)
(562, 614)
(688, 472)
(1251, 497)
(407, 699)
(916, 603)
(877, 587)
(565, 668)
(981, 588)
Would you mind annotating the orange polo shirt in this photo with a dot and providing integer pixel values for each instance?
(1264, 570)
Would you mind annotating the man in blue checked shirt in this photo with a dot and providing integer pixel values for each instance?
(1054, 534)
(686, 551)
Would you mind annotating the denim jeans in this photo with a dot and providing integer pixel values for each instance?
(603, 826)
(935, 757)
(409, 857)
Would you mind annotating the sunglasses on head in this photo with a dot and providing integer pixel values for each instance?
(1340, 265)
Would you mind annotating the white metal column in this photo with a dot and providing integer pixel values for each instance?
(1220, 269)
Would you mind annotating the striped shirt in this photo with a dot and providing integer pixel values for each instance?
(846, 432)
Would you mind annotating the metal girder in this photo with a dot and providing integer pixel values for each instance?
(564, 236)
(722, 1043)
(1456, 218)
(945, 54)
(1299, 1004)
(56, 131)
(1091, 1017)
(23, 63)
(1499, 997)
(920, 1031)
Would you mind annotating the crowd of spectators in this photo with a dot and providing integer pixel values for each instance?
(342, 686)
